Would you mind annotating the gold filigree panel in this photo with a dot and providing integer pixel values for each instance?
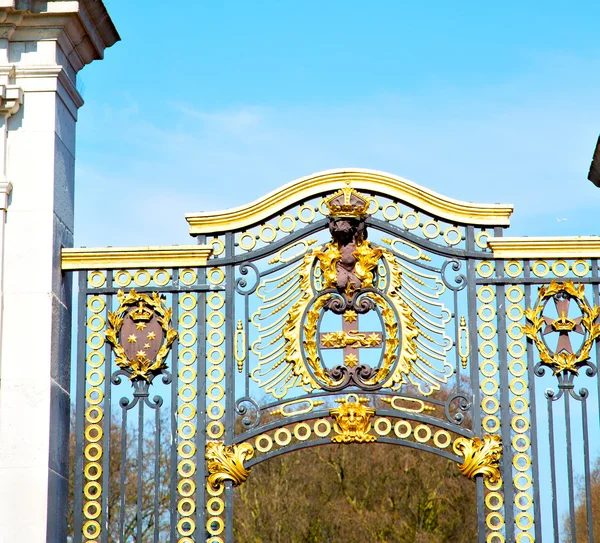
(351, 276)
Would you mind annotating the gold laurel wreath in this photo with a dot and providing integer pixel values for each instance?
(140, 368)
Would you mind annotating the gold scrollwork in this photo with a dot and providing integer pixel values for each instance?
(563, 360)
(352, 420)
(481, 456)
(288, 344)
(148, 307)
(226, 463)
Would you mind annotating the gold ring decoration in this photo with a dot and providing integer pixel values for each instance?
(226, 463)
(141, 334)
(565, 359)
(481, 456)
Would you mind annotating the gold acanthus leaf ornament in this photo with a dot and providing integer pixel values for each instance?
(226, 463)
(563, 361)
(481, 456)
(367, 257)
(352, 420)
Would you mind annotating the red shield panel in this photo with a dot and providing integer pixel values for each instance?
(141, 335)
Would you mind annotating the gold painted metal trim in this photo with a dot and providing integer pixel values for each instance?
(334, 180)
(135, 257)
(545, 247)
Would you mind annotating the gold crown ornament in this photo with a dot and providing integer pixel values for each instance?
(141, 313)
(347, 203)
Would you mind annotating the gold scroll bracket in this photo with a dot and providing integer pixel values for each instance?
(481, 456)
(226, 463)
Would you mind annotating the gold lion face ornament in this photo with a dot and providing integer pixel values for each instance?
(352, 420)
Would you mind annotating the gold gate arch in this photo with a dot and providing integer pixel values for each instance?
(347, 306)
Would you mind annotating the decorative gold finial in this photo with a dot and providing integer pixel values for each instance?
(481, 456)
(352, 420)
(226, 463)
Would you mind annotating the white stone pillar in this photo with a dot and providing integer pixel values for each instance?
(42, 47)
(5, 189)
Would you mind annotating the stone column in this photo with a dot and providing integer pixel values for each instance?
(42, 47)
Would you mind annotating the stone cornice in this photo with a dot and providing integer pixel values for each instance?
(545, 247)
(50, 78)
(136, 257)
(83, 27)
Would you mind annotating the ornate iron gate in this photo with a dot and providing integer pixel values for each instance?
(349, 306)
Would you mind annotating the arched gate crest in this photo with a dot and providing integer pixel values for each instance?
(348, 306)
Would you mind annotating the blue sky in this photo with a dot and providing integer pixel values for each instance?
(214, 104)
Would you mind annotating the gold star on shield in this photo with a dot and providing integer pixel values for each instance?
(351, 360)
(328, 340)
(132, 338)
(374, 339)
(151, 336)
(140, 325)
(146, 345)
(350, 315)
(141, 354)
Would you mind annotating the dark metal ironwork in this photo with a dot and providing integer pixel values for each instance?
(448, 359)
